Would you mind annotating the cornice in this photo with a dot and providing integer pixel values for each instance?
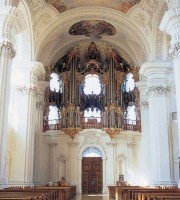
(156, 68)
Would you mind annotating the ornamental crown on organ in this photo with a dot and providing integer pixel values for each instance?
(113, 100)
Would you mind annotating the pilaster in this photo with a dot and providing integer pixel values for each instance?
(7, 53)
(158, 91)
(79, 189)
(171, 25)
(104, 175)
(53, 142)
(130, 154)
(144, 145)
(38, 153)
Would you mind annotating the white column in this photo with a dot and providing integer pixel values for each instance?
(130, 169)
(53, 161)
(171, 24)
(30, 132)
(104, 175)
(38, 150)
(79, 189)
(6, 54)
(159, 121)
(113, 160)
(144, 163)
(23, 113)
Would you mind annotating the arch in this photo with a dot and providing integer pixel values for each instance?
(86, 146)
(13, 3)
(66, 19)
(121, 162)
(160, 47)
(62, 167)
(92, 149)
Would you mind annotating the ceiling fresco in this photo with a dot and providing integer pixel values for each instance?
(92, 28)
(120, 5)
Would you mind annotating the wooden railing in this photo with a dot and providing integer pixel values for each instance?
(92, 123)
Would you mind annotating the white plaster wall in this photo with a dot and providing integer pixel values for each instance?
(112, 150)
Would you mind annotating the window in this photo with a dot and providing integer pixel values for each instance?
(95, 113)
(92, 84)
(53, 115)
(92, 152)
(55, 83)
(131, 115)
(129, 82)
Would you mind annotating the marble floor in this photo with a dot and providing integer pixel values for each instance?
(91, 197)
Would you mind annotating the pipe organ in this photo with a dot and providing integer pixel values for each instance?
(112, 101)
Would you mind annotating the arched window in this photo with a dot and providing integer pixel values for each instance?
(53, 117)
(92, 152)
(95, 113)
(131, 115)
(55, 83)
(129, 82)
(92, 84)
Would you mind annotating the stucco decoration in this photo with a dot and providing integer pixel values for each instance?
(41, 22)
(120, 5)
(35, 5)
(92, 139)
(142, 19)
(92, 28)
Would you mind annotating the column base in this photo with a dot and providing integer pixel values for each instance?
(79, 190)
(104, 191)
(165, 183)
(20, 183)
(3, 183)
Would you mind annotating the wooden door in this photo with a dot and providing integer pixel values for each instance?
(92, 175)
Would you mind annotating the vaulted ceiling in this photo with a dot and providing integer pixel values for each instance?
(129, 26)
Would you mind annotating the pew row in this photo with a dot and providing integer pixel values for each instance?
(28, 195)
(59, 192)
(141, 193)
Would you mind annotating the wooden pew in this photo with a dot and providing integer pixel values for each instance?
(33, 195)
(137, 193)
(116, 191)
(64, 192)
(160, 195)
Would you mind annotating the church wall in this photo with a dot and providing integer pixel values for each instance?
(119, 156)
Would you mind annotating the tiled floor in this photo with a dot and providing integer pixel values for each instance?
(91, 197)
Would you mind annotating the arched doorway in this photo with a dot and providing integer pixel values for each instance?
(92, 170)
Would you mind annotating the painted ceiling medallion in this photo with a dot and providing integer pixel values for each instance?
(120, 5)
(92, 28)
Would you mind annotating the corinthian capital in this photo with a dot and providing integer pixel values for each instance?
(158, 90)
(6, 48)
(175, 50)
(173, 3)
(144, 105)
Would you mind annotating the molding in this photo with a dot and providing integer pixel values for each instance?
(156, 67)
